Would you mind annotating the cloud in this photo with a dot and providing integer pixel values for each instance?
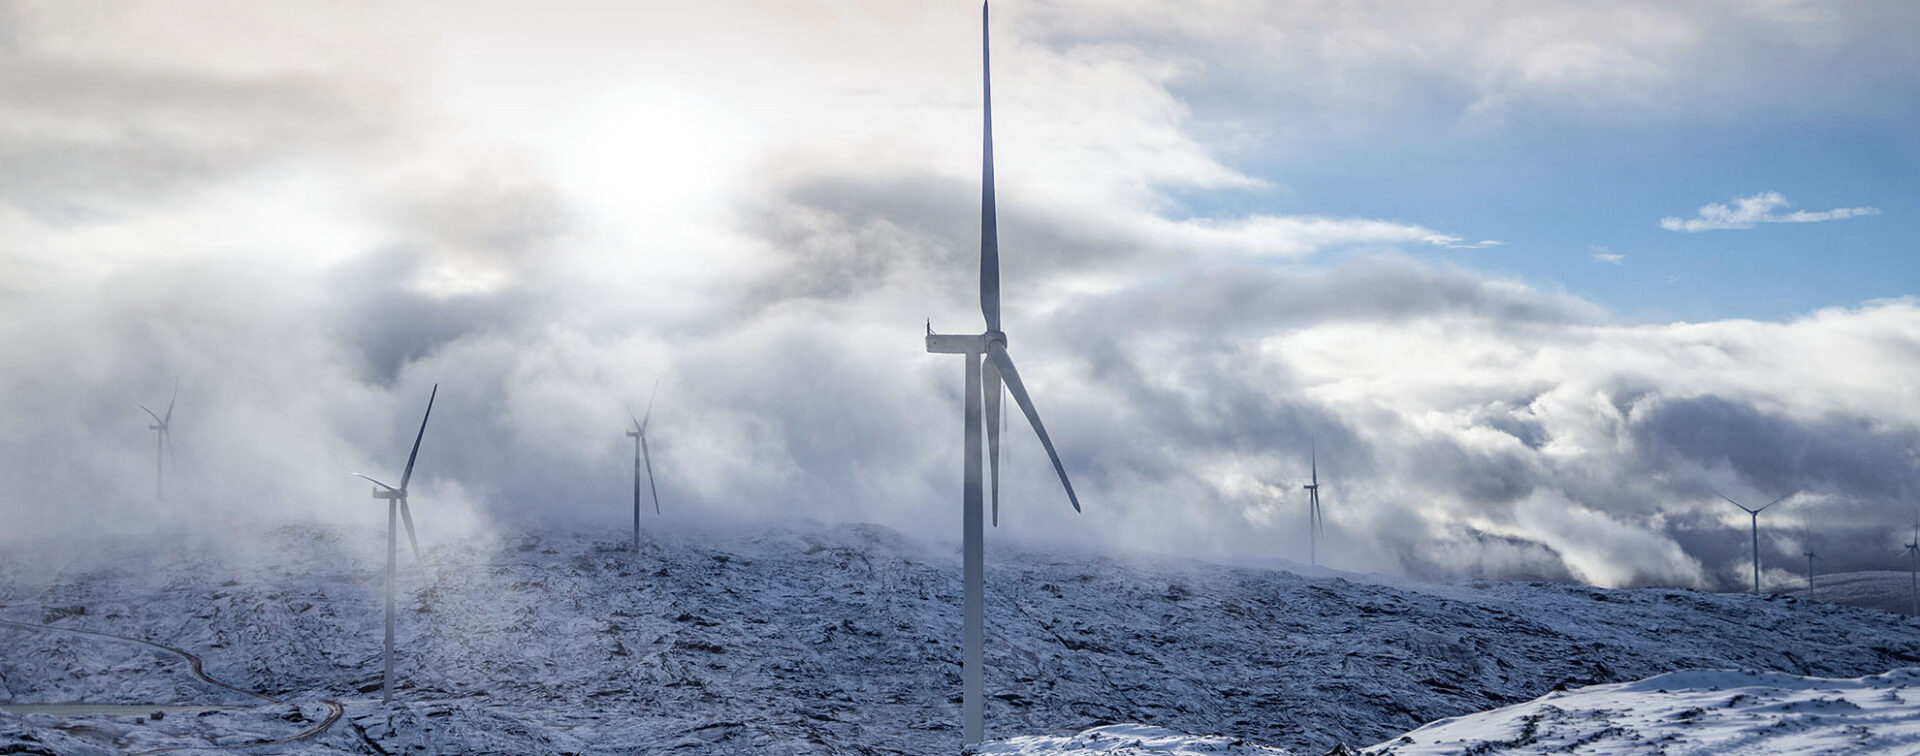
(1608, 256)
(1746, 212)
(1454, 242)
(312, 242)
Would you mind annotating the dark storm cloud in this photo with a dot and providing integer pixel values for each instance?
(1777, 454)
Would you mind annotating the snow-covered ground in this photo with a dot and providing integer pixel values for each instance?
(1691, 712)
(1123, 740)
(1715, 711)
(841, 639)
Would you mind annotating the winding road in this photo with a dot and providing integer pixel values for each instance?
(334, 709)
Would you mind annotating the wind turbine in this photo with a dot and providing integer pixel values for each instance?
(1313, 510)
(996, 369)
(1754, 514)
(162, 441)
(639, 436)
(1810, 557)
(397, 502)
(1913, 550)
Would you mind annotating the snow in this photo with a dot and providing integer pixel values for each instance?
(1705, 712)
(834, 639)
(1123, 740)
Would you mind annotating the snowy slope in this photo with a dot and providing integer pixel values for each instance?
(845, 640)
(1692, 712)
(1123, 740)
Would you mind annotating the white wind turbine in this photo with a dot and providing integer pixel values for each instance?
(640, 454)
(397, 502)
(1913, 569)
(1754, 514)
(1810, 557)
(162, 441)
(1313, 510)
(996, 368)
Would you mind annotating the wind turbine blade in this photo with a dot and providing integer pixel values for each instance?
(997, 352)
(650, 398)
(635, 418)
(408, 475)
(989, 221)
(648, 457)
(1313, 459)
(991, 390)
(166, 435)
(156, 418)
(1771, 503)
(407, 517)
(378, 483)
(176, 397)
(1735, 503)
(638, 445)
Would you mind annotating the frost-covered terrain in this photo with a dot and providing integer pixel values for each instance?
(1692, 712)
(829, 640)
(1123, 740)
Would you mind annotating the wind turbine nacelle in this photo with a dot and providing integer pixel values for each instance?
(963, 343)
(633, 434)
(151, 426)
(381, 493)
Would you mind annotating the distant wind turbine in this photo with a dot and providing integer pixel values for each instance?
(1313, 509)
(1754, 515)
(998, 367)
(1810, 557)
(397, 502)
(162, 441)
(640, 454)
(1913, 569)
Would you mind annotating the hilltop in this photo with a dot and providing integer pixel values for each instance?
(842, 640)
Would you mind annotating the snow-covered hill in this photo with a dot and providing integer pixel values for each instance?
(844, 639)
(1716, 711)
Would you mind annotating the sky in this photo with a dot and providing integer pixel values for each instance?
(1535, 283)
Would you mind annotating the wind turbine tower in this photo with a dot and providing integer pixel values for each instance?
(640, 454)
(990, 346)
(1913, 569)
(162, 441)
(1754, 515)
(397, 503)
(1810, 557)
(1313, 510)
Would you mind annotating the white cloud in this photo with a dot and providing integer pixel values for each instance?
(1455, 242)
(1293, 235)
(1607, 255)
(311, 265)
(1747, 212)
